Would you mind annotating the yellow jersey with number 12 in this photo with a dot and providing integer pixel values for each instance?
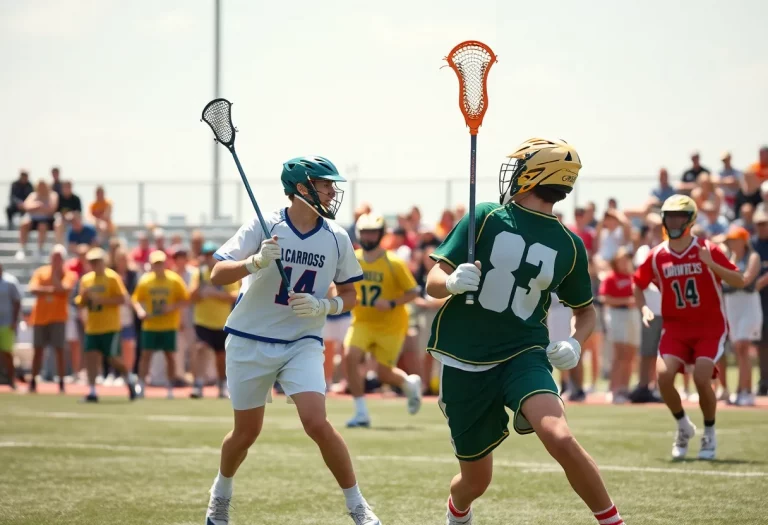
(387, 278)
(102, 318)
(154, 293)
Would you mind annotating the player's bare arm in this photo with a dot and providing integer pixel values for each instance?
(348, 296)
(640, 303)
(731, 277)
(407, 297)
(109, 301)
(584, 320)
(753, 269)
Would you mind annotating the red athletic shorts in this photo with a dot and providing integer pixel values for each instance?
(688, 346)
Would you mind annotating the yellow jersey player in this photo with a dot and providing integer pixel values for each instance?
(157, 299)
(212, 307)
(102, 293)
(380, 319)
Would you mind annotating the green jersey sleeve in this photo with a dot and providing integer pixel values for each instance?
(575, 291)
(453, 250)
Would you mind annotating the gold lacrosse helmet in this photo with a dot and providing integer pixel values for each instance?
(370, 222)
(678, 206)
(538, 162)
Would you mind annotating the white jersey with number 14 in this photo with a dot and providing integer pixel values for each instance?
(311, 260)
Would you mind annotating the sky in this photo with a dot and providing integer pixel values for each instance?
(112, 91)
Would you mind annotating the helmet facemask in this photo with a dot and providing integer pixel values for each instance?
(509, 172)
(312, 199)
(676, 233)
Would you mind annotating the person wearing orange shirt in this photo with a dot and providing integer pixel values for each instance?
(760, 168)
(100, 211)
(51, 284)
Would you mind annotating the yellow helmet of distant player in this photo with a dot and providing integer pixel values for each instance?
(677, 206)
(370, 222)
(538, 162)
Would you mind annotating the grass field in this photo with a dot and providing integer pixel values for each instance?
(152, 462)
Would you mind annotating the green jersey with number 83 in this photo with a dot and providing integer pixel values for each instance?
(524, 255)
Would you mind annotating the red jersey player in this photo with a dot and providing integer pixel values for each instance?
(688, 271)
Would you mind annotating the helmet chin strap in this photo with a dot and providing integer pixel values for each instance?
(309, 205)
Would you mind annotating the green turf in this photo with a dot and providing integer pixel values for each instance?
(153, 461)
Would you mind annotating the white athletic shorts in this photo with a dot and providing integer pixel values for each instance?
(745, 316)
(335, 328)
(254, 366)
(623, 325)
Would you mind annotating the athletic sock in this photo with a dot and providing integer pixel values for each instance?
(459, 515)
(92, 391)
(360, 408)
(353, 496)
(609, 517)
(683, 421)
(709, 427)
(222, 486)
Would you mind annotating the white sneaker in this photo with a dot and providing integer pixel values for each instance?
(708, 446)
(359, 421)
(20, 255)
(139, 391)
(683, 436)
(620, 399)
(361, 515)
(453, 520)
(414, 398)
(745, 399)
(169, 395)
(218, 510)
(223, 393)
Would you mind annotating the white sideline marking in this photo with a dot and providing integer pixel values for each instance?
(283, 425)
(525, 466)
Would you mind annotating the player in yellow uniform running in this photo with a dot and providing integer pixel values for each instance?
(102, 293)
(380, 319)
(213, 305)
(157, 299)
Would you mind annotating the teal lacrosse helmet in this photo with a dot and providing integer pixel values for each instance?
(303, 170)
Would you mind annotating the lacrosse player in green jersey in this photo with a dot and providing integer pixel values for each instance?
(496, 353)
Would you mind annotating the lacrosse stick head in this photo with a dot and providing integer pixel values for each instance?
(472, 61)
(218, 115)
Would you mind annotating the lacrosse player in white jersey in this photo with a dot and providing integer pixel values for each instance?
(275, 334)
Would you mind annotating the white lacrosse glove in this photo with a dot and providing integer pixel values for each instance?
(270, 251)
(564, 355)
(307, 305)
(465, 278)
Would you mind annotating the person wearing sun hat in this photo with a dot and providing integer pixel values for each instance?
(743, 309)
(101, 293)
(158, 298)
(212, 307)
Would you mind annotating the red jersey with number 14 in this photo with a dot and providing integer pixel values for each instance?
(691, 293)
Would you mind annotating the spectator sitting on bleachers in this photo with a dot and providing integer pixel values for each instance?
(20, 190)
(100, 213)
(662, 192)
(746, 218)
(749, 191)
(760, 168)
(711, 220)
(613, 232)
(729, 181)
(583, 230)
(56, 180)
(40, 206)
(68, 202)
(706, 191)
(140, 254)
(445, 225)
(690, 176)
(10, 314)
(79, 232)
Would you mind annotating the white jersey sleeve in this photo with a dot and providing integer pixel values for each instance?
(348, 269)
(244, 243)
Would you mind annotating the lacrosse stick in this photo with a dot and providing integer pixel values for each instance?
(472, 61)
(218, 115)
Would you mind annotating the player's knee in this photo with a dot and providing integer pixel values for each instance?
(558, 440)
(702, 377)
(316, 426)
(666, 377)
(245, 435)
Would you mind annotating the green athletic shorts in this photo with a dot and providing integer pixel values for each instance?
(7, 339)
(108, 343)
(164, 341)
(474, 402)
